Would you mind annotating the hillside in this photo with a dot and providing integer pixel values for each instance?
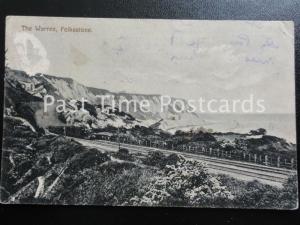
(40, 85)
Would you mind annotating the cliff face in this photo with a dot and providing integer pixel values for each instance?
(39, 85)
(67, 88)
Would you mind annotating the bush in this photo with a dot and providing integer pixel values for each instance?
(119, 188)
(155, 158)
(260, 131)
(254, 194)
(172, 159)
(62, 149)
(185, 183)
(111, 183)
(123, 154)
(88, 159)
(288, 197)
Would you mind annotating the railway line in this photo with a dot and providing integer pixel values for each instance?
(240, 170)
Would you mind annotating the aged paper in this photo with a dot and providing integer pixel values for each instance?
(149, 112)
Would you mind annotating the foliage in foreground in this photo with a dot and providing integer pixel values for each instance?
(254, 194)
(73, 174)
(185, 183)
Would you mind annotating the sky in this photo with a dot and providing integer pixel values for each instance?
(182, 58)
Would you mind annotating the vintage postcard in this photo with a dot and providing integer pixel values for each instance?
(149, 112)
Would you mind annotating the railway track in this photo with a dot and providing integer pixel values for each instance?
(244, 170)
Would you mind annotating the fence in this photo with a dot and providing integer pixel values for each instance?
(262, 159)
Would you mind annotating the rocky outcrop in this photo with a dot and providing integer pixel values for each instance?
(34, 88)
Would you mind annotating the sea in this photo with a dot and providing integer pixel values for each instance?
(279, 125)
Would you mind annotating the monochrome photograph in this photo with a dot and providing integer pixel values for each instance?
(149, 112)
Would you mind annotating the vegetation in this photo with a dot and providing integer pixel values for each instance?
(254, 194)
(240, 146)
(39, 167)
(74, 174)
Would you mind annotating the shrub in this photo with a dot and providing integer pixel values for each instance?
(88, 159)
(254, 194)
(155, 158)
(288, 197)
(123, 154)
(185, 183)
